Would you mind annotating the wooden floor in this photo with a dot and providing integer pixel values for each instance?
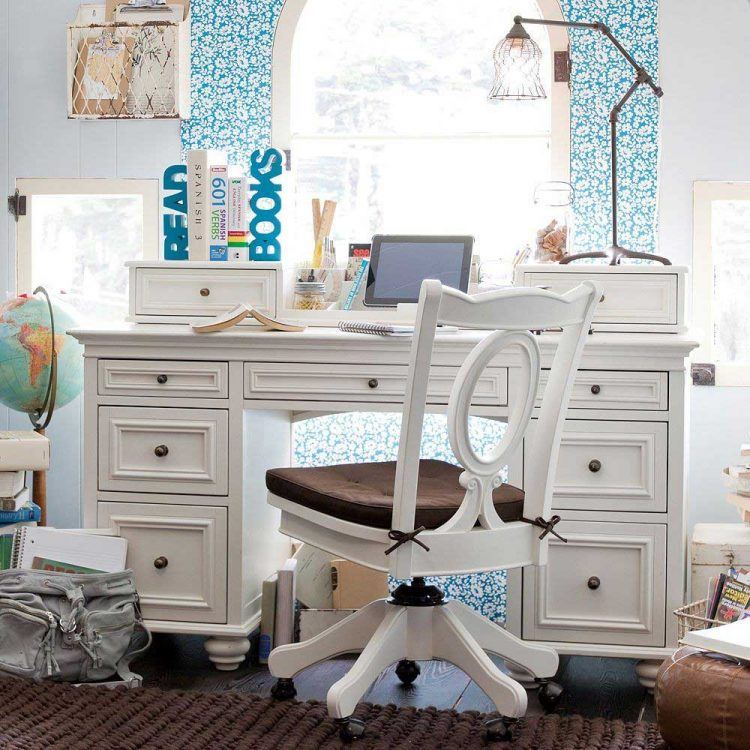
(594, 686)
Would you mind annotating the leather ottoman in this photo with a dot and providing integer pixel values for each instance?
(703, 701)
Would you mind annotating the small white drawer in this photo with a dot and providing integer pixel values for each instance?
(610, 466)
(634, 298)
(606, 585)
(137, 377)
(179, 292)
(605, 389)
(310, 382)
(179, 556)
(179, 451)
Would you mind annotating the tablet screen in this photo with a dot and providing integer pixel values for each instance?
(402, 265)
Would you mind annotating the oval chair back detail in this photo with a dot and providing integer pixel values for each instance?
(416, 518)
(512, 313)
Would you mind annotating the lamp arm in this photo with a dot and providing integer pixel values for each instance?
(643, 75)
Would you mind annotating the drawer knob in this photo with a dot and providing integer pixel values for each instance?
(373, 382)
(596, 389)
(161, 379)
(205, 291)
(593, 583)
(161, 450)
(601, 299)
(160, 563)
(595, 465)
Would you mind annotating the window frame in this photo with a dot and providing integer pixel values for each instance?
(148, 189)
(705, 192)
(281, 88)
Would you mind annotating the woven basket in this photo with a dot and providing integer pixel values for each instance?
(693, 617)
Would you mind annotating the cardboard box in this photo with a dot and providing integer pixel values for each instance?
(354, 585)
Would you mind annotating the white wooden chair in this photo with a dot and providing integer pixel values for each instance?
(440, 520)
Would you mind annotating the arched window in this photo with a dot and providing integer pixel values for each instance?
(384, 107)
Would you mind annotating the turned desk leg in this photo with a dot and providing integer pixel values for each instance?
(227, 653)
(646, 670)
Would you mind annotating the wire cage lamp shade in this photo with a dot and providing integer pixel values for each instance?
(518, 60)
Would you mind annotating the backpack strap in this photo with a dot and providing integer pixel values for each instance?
(130, 678)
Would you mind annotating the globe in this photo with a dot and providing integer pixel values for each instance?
(25, 354)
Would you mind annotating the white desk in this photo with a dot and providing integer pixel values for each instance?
(203, 538)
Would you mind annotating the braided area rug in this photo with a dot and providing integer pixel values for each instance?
(60, 716)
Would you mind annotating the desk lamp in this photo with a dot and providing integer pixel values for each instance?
(517, 59)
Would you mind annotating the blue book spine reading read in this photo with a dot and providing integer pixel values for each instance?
(29, 512)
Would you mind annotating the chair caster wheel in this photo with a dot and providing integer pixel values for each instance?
(499, 730)
(550, 694)
(350, 729)
(284, 689)
(407, 671)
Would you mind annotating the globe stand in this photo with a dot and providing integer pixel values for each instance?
(40, 419)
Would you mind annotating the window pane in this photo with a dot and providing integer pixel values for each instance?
(395, 67)
(79, 245)
(730, 227)
(390, 118)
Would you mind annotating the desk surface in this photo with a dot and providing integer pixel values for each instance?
(659, 351)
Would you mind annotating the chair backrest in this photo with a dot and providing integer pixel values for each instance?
(511, 315)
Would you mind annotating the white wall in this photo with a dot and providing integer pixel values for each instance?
(37, 140)
(705, 69)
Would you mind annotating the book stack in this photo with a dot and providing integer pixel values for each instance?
(21, 451)
(737, 480)
(218, 212)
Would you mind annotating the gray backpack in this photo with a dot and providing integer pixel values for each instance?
(74, 628)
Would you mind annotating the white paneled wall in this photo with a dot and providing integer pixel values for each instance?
(37, 140)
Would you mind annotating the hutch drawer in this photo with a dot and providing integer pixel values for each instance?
(184, 291)
(611, 466)
(606, 585)
(179, 556)
(610, 390)
(180, 451)
(297, 381)
(138, 377)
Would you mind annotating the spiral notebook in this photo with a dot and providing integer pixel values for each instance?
(376, 329)
(41, 548)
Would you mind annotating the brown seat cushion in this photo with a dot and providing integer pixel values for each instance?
(702, 700)
(363, 493)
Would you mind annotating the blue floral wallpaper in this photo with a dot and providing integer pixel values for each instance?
(231, 108)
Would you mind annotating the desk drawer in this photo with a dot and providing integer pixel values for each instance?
(137, 377)
(179, 555)
(603, 389)
(636, 299)
(179, 451)
(611, 466)
(202, 292)
(606, 585)
(310, 382)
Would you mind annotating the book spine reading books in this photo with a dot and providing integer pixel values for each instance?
(199, 163)
(285, 597)
(267, 617)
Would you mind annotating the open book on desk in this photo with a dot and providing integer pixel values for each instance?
(241, 312)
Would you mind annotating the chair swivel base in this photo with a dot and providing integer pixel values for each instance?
(417, 624)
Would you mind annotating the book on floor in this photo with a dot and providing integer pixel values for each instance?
(11, 483)
(285, 604)
(22, 450)
(16, 502)
(28, 512)
(42, 548)
(7, 536)
(238, 313)
(267, 618)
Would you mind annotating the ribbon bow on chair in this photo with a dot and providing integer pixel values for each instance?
(547, 526)
(402, 537)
